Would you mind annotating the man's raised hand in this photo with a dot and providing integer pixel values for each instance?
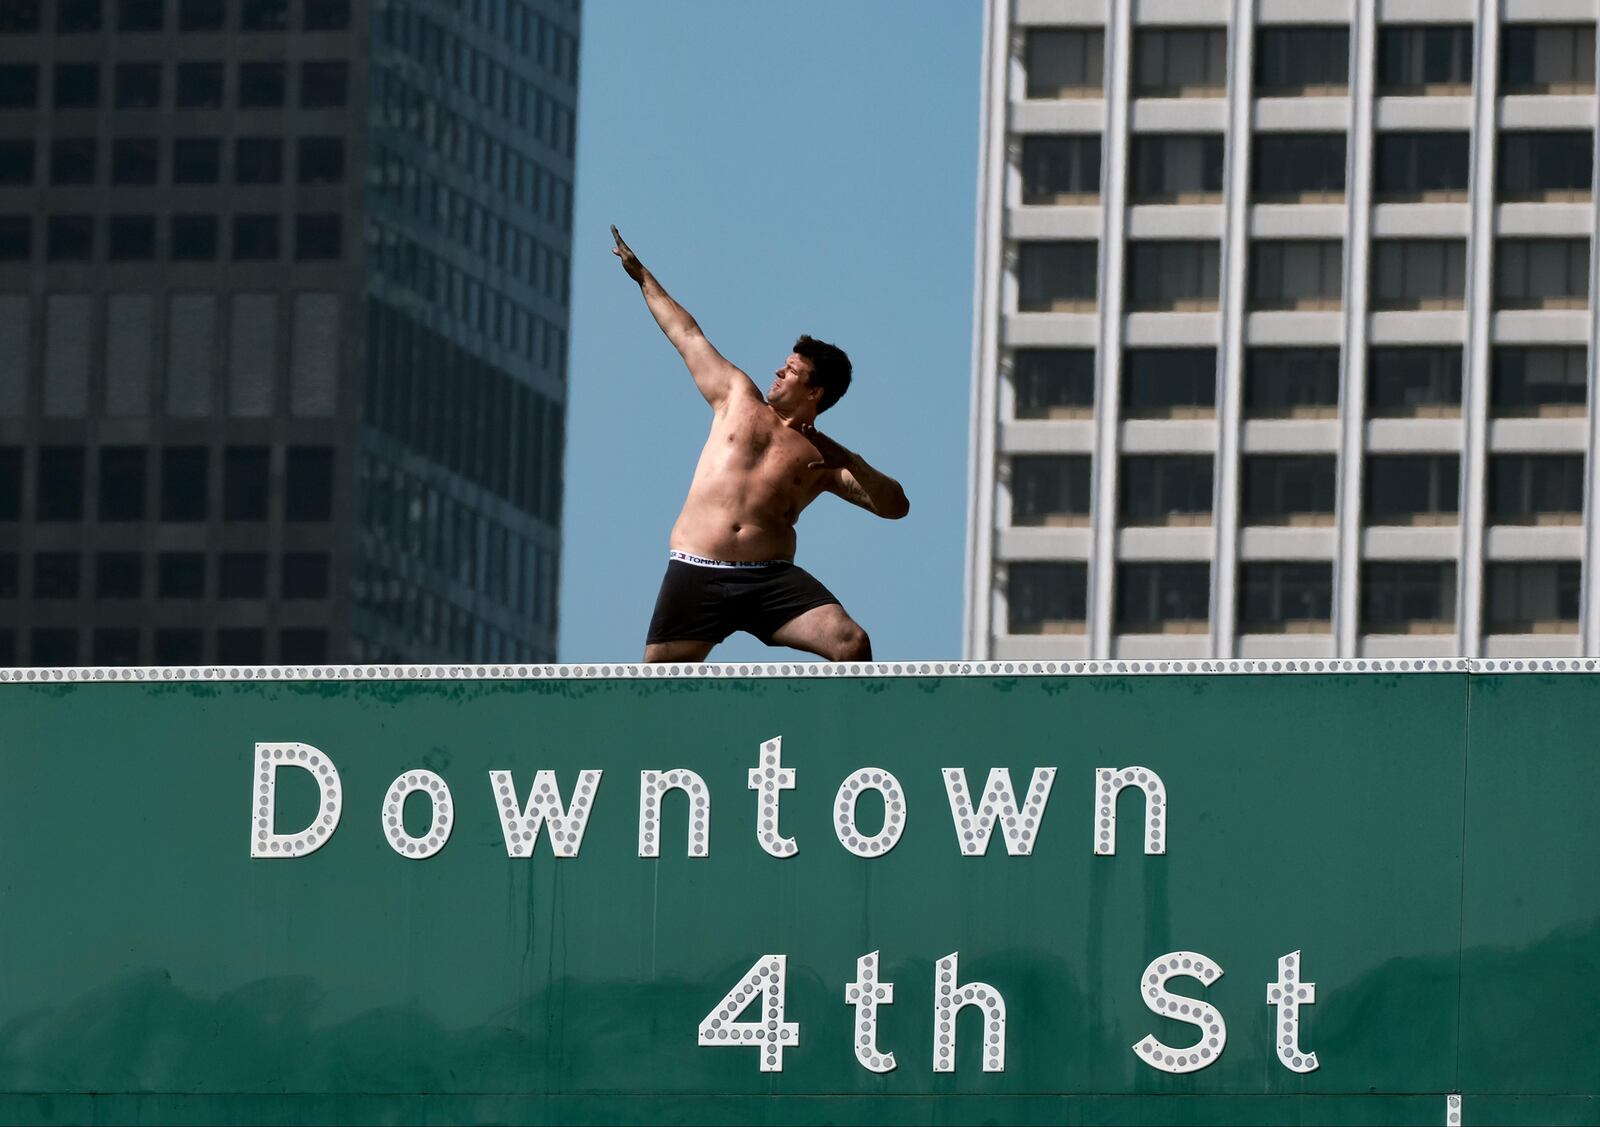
(630, 261)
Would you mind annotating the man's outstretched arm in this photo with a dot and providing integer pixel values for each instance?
(713, 375)
(849, 476)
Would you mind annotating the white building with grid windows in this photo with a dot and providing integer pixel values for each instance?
(1284, 344)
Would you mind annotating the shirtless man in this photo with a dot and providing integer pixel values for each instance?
(731, 565)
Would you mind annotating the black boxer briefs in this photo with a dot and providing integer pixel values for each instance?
(705, 602)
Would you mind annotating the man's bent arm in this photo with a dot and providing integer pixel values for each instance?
(875, 491)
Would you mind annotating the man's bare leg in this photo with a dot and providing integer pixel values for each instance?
(828, 632)
(684, 651)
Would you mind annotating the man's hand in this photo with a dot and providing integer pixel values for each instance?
(630, 261)
(834, 456)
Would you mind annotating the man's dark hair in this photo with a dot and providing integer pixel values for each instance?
(830, 369)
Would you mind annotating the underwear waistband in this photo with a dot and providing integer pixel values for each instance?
(702, 561)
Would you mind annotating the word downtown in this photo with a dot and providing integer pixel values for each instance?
(764, 984)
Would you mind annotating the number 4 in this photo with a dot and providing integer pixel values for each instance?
(765, 983)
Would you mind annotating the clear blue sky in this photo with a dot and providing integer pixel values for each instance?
(783, 168)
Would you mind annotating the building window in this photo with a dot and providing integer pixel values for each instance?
(1167, 276)
(1180, 62)
(1306, 274)
(308, 489)
(244, 483)
(118, 575)
(1169, 383)
(69, 238)
(16, 238)
(255, 238)
(1050, 489)
(1414, 382)
(324, 84)
(77, 86)
(1054, 383)
(138, 86)
(121, 483)
(321, 160)
(194, 238)
(55, 646)
(8, 575)
(241, 646)
(1419, 273)
(1065, 64)
(1422, 166)
(19, 16)
(1533, 598)
(258, 160)
(75, 17)
(1541, 274)
(1413, 489)
(1547, 59)
(1060, 169)
(302, 646)
(56, 575)
(183, 483)
(326, 15)
(60, 486)
(133, 238)
(16, 162)
(318, 236)
(1058, 276)
(1298, 168)
(1282, 383)
(1166, 489)
(264, 15)
(261, 85)
(1552, 167)
(201, 15)
(1425, 59)
(1302, 61)
(1536, 489)
(140, 15)
(1548, 381)
(1286, 598)
(134, 160)
(72, 160)
(1408, 598)
(305, 575)
(1177, 168)
(196, 160)
(1047, 598)
(242, 575)
(181, 575)
(1163, 598)
(10, 483)
(19, 86)
(178, 646)
(199, 86)
(1291, 489)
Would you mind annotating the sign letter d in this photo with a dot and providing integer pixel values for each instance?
(265, 841)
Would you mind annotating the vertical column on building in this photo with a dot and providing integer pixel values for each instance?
(1480, 318)
(1353, 355)
(1590, 610)
(1230, 352)
(978, 643)
(1108, 339)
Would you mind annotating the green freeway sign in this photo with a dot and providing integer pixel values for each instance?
(801, 896)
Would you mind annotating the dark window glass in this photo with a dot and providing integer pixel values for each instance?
(72, 160)
(318, 236)
(308, 483)
(1533, 598)
(8, 575)
(201, 15)
(242, 575)
(326, 15)
(255, 238)
(305, 575)
(183, 483)
(135, 160)
(1163, 598)
(10, 483)
(181, 575)
(264, 15)
(239, 646)
(1403, 597)
(179, 646)
(77, 16)
(1184, 62)
(1282, 382)
(1538, 166)
(258, 160)
(1536, 488)
(321, 160)
(1054, 382)
(16, 161)
(1050, 489)
(1047, 598)
(56, 575)
(19, 86)
(1058, 276)
(196, 160)
(1299, 167)
(324, 83)
(1277, 598)
(1064, 63)
(69, 238)
(54, 645)
(194, 237)
(133, 238)
(1297, 60)
(1177, 167)
(1547, 58)
(1541, 274)
(118, 575)
(19, 16)
(1164, 383)
(1060, 169)
(1550, 380)
(1296, 274)
(199, 86)
(1436, 58)
(77, 86)
(1419, 273)
(140, 15)
(1414, 381)
(1173, 275)
(1425, 165)
(8, 646)
(261, 85)
(122, 472)
(302, 646)
(1288, 489)
(1166, 489)
(138, 86)
(244, 483)
(1413, 488)
(16, 238)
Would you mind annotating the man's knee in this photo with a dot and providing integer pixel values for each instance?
(852, 644)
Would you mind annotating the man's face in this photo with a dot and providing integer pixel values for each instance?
(791, 384)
